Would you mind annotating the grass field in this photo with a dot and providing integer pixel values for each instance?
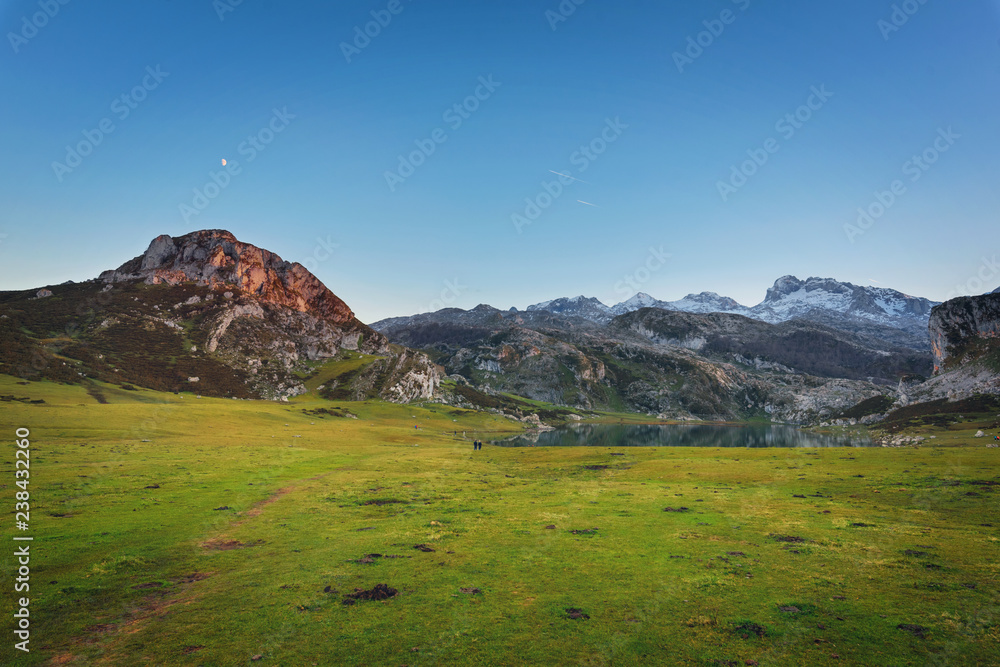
(172, 530)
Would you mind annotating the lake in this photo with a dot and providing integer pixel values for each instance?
(682, 435)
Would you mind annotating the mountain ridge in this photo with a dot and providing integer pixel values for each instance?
(858, 309)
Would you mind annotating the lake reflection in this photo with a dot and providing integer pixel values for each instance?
(681, 435)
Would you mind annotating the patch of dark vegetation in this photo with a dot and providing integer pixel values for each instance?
(914, 553)
(584, 531)
(151, 584)
(95, 392)
(863, 525)
(676, 509)
(423, 547)
(358, 530)
(746, 629)
(188, 650)
(379, 592)
(470, 591)
(222, 509)
(875, 405)
(915, 630)
(790, 609)
(550, 527)
(596, 467)
(576, 614)
(941, 413)
(385, 501)
(330, 412)
(735, 553)
(152, 486)
(795, 539)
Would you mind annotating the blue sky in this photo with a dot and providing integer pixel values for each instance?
(316, 191)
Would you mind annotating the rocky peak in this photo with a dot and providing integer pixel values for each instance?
(215, 257)
(782, 287)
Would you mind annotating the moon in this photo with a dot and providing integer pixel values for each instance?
(223, 162)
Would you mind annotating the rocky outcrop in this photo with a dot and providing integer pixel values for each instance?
(215, 257)
(961, 328)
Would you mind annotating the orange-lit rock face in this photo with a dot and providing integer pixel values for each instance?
(216, 257)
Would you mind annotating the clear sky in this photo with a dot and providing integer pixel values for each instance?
(202, 81)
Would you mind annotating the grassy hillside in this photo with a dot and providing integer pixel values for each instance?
(173, 530)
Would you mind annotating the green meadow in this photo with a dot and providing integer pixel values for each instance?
(175, 530)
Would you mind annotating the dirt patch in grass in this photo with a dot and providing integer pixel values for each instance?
(152, 584)
(584, 531)
(794, 539)
(379, 592)
(574, 613)
(470, 591)
(676, 509)
(423, 547)
(915, 630)
(596, 467)
(745, 629)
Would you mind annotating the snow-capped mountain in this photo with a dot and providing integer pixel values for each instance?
(578, 306)
(790, 298)
(875, 311)
(706, 302)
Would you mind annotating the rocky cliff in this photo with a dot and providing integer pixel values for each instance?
(961, 328)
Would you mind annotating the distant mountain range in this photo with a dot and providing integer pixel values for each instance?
(884, 313)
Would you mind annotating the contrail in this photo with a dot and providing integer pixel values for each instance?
(588, 203)
(573, 178)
